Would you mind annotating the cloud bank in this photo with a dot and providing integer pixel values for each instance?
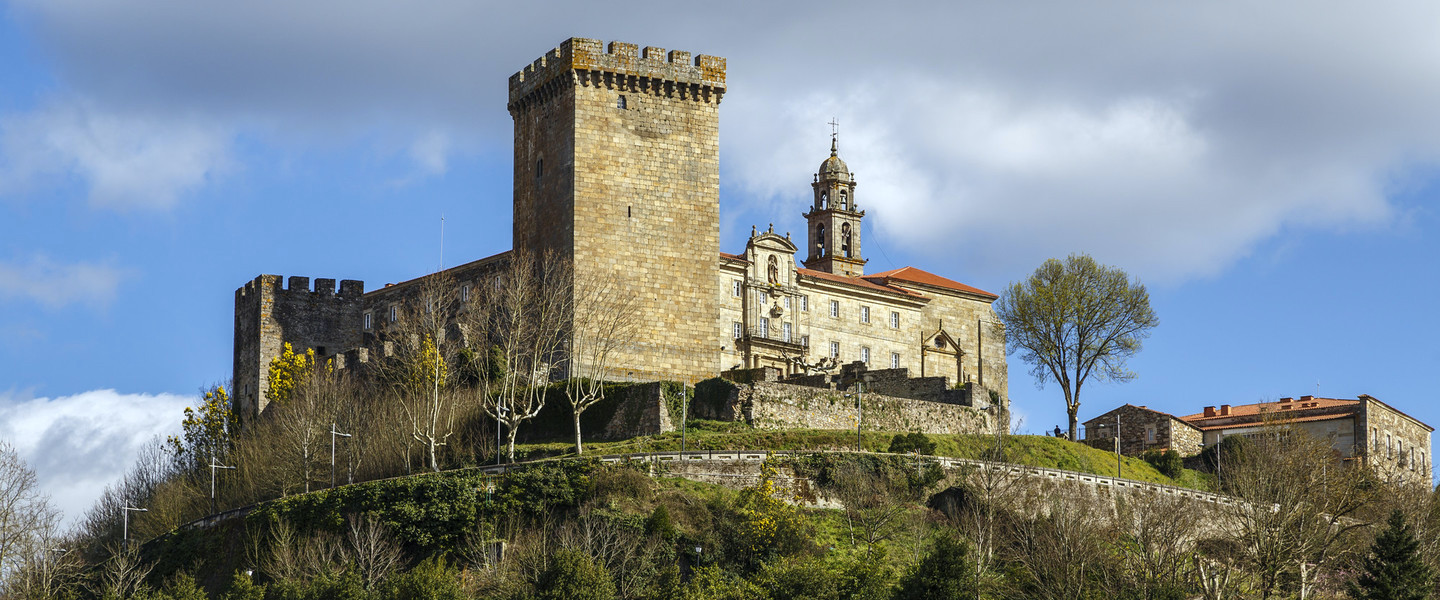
(1170, 139)
(80, 444)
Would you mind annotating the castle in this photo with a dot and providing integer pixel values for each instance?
(616, 171)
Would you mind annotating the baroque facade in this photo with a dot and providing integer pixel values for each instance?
(616, 171)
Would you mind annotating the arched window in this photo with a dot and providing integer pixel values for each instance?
(844, 200)
(620, 103)
(845, 239)
(820, 237)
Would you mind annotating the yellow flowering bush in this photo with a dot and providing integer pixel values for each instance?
(768, 525)
(286, 372)
(205, 432)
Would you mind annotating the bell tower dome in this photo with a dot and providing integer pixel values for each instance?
(834, 219)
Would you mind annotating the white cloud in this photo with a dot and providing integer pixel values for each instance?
(127, 160)
(1168, 138)
(56, 285)
(80, 444)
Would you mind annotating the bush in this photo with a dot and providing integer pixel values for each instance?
(242, 587)
(432, 579)
(573, 576)
(945, 572)
(907, 443)
(659, 524)
(1167, 462)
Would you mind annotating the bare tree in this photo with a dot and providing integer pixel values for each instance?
(874, 500)
(303, 421)
(1297, 505)
(25, 511)
(526, 315)
(605, 321)
(120, 575)
(1060, 543)
(1074, 320)
(1154, 537)
(425, 351)
(376, 556)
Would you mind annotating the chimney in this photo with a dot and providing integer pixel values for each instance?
(1224, 410)
(1209, 411)
(1287, 400)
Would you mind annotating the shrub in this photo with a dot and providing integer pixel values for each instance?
(432, 579)
(1167, 462)
(945, 572)
(242, 587)
(905, 443)
(573, 576)
(659, 524)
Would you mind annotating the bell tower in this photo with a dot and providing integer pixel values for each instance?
(834, 219)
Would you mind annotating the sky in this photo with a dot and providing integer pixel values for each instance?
(1267, 170)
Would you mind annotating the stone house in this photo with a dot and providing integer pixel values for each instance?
(616, 171)
(1363, 430)
(1142, 429)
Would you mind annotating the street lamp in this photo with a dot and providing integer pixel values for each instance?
(333, 435)
(126, 510)
(213, 467)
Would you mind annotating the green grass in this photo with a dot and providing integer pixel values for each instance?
(1032, 450)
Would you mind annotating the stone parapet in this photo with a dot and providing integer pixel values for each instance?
(675, 72)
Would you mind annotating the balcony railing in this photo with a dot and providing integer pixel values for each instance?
(774, 335)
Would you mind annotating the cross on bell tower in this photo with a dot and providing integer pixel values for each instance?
(834, 218)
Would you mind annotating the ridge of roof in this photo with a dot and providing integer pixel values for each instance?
(858, 282)
(914, 275)
(1271, 408)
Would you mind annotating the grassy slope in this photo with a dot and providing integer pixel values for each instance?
(1038, 451)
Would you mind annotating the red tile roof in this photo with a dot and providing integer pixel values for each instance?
(1281, 417)
(858, 282)
(914, 275)
(1254, 412)
(733, 256)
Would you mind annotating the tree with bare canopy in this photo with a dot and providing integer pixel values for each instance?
(526, 316)
(25, 513)
(604, 322)
(1075, 319)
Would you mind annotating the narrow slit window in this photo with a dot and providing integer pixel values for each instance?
(539, 168)
(620, 102)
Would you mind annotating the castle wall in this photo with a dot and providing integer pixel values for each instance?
(269, 315)
(634, 190)
(1393, 443)
(767, 405)
(976, 329)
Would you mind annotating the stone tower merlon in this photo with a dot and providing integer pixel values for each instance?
(268, 315)
(653, 70)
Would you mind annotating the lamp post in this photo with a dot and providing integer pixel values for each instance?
(125, 526)
(213, 468)
(333, 435)
(1117, 445)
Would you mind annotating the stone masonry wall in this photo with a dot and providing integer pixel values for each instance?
(1394, 443)
(1136, 426)
(267, 316)
(782, 406)
(633, 138)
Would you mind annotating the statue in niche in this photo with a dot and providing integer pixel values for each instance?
(774, 270)
(845, 239)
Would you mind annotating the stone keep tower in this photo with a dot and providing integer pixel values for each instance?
(835, 220)
(617, 169)
(268, 316)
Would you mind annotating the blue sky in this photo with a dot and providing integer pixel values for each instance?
(1269, 172)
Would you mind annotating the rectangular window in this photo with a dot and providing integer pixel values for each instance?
(834, 349)
(739, 330)
(894, 360)
(864, 314)
(764, 327)
(1389, 447)
(429, 306)
(835, 308)
(737, 288)
(865, 355)
(465, 293)
(367, 320)
(894, 320)
(787, 333)
(394, 314)
(787, 303)
(1150, 434)
(805, 341)
(805, 303)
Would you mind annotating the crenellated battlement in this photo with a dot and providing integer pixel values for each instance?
(276, 285)
(618, 63)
